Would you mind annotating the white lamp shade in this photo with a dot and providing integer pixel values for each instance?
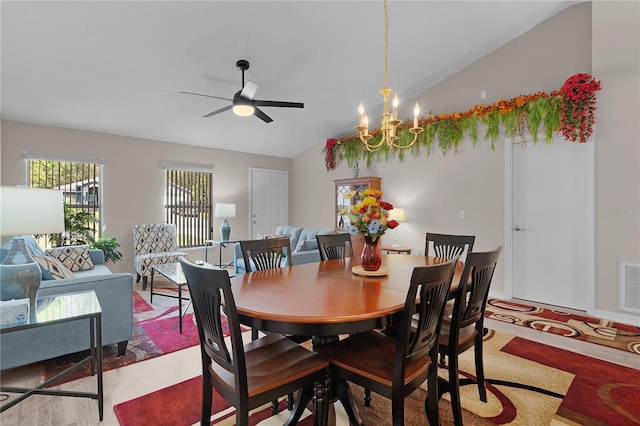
(397, 213)
(225, 210)
(26, 211)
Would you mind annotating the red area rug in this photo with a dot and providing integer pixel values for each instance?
(169, 407)
(155, 333)
(594, 330)
(528, 384)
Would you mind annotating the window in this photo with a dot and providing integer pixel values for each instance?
(79, 183)
(188, 205)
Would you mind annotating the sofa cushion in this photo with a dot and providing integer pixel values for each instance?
(76, 258)
(293, 232)
(54, 268)
(307, 245)
(307, 235)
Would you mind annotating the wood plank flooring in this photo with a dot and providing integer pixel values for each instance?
(142, 378)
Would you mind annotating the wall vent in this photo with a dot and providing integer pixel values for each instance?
(630, 287)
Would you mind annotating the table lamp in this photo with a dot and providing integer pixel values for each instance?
(397, 214)
(26, 211)
(225, 210)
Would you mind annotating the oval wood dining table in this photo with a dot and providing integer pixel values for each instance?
(325, 299)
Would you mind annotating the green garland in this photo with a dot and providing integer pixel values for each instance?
(518, 116)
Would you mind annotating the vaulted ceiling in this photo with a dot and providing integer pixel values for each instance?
(118, 67)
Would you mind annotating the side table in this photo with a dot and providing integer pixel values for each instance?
(398, 250)
(222, 244)
(55, 310)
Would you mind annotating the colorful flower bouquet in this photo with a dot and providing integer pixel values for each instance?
(370, 216)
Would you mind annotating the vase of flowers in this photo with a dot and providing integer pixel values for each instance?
(370, 217)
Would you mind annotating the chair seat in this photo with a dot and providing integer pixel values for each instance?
(269, 360)
(467, 333)
(371, 354)
(143, 262)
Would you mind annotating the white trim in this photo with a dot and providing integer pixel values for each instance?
(62, 158)
(187, 167)
(508, 218)
(589, 218)
(615, 316)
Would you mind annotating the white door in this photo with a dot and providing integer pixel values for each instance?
(549, 223)
(269, 200)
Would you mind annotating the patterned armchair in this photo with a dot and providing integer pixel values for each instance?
(153, 244)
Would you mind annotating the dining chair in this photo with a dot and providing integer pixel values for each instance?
(260, 255)
(448, 245)
(247, 376)
(265, 254)
(394, 367)
(335, 246)
(465, 327)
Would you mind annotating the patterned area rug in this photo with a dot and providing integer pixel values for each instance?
(155, 333)
(602, 332)
(528, 384)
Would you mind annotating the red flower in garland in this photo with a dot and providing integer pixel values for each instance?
(329, 159)
(576, 121)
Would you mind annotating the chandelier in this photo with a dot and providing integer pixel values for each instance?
(390, 121)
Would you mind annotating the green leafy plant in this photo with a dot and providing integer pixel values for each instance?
(569, 111)
(76, 228)
(109, 246)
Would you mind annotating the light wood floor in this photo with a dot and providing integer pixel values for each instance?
(139, 379)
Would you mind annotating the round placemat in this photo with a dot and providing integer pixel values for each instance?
(358, 270)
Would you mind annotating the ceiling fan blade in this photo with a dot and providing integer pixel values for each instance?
(249, 90)
(218, 111)
(280, 104)
(207, 96)
(262, 116)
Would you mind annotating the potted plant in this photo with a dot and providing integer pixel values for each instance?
(109, 246)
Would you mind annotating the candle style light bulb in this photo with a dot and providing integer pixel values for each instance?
(416, 112)
(361, 112)
(395, 103)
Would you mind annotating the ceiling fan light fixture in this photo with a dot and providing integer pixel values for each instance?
(243, 110)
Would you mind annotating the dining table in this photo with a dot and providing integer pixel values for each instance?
(326, 299)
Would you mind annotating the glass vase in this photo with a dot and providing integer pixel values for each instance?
(371, 258)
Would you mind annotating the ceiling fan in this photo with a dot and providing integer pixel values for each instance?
(243, 103)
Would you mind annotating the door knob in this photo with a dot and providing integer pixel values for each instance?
(517, 228)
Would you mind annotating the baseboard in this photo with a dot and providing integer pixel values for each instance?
(633, 320)
(497, 295)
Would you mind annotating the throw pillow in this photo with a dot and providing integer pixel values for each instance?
(308, 245)
(75, 258)
(54, 267)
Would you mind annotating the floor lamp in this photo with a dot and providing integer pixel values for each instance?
(225, 210)
(26, 211)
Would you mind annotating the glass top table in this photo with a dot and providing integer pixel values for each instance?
(52, 310)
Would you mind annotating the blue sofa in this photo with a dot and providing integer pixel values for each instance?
(304, 246)
(115, 294)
